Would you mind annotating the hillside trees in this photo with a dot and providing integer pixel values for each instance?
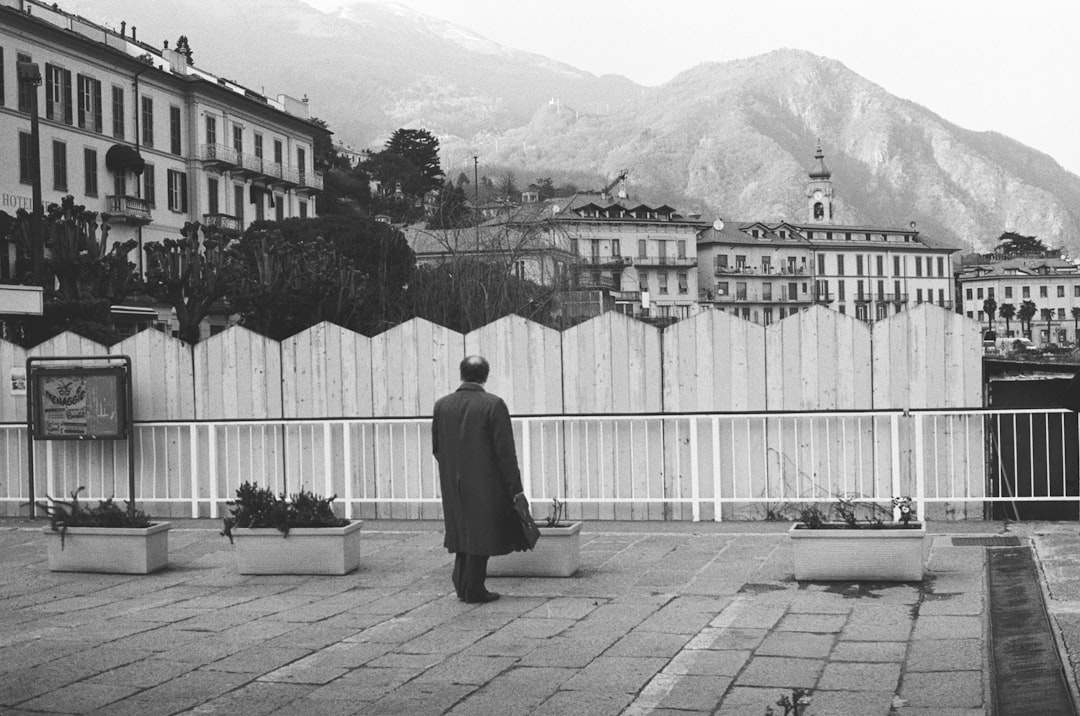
(284, 277)
(89, 275)
(1012, 244)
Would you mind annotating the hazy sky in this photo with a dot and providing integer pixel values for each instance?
(982, 64)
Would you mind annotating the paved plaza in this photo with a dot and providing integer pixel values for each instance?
(663, 618)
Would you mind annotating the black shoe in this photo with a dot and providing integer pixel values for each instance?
(482, 598)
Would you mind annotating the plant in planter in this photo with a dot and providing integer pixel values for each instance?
(299, 535)
(104, 538)
(858, 540)
(556, 554)
(794, 705)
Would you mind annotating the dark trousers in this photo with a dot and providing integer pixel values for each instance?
(470, 572)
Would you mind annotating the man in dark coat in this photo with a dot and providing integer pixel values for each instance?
(473, 441)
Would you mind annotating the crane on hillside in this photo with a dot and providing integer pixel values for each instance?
(618, 179)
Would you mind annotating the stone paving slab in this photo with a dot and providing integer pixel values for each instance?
(663, 618)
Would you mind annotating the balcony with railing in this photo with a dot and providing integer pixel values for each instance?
(599, 261)
(685, 261)
(219, 155)
(128, 209)
(224, 223)
(823, 296)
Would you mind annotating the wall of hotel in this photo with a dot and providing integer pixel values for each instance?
(1062, 295)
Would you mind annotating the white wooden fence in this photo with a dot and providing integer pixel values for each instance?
(708, 417)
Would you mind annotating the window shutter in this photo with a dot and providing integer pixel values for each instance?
(97, 106)
(48, 91)
(67, 96)
(183, 191)
(82, 103)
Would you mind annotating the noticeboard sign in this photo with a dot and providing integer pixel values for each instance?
(79, 403)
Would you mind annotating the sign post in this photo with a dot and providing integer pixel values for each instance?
(83, 398)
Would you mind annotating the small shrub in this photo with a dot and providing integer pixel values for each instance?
(259, 507)
(107, 513)
(555, 516)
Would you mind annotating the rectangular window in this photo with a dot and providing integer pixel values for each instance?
(859, 265)
(303, 209)
(238, 138)
(859, 295)
(896, 290)
(941, 296)
(118, 112)
(89, 103)
(740, 262)
(721, 261)
(880, 265)
(59, 153)
(663, 282)
(918, 265)
(643, 281)
(821, 264)
(90, 172)
(1025, 292)
(277, 152)
(840, 290)
(642, 247)
(681, 248)
(301, 164)
(896, 266)
(918, 293)
(147, 121)
(175, 143)
(238, 203)
(793, 291)
(616, 248)
(26, 92)
(766, 264)
(211, 130)
(120, 184)
(212, 195)
(58, 94)
(721, 288)
(881, 290)
(941, 266)
(1061, 313)
(968, 294)
(840, 265)
(149, 185)
(1061, 292)
(1008, 292)
(177, 188)
(258, 145)
(279, 207)
(1076, 291)
(979, 293)
(740, 290)
(26, 159)
(1043, 292)
(990, 292)
(684, 282)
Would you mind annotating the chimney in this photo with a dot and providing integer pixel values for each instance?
(133, 34)
(123, 28)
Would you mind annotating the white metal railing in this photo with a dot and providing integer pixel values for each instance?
(683, 466)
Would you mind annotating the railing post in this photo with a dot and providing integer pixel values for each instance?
(695, 485)
(328, 458)
(193, 456)
(211, 450)
(526, 459)
(346, 448)
(920, 469)
(717, 504)
(894, 451)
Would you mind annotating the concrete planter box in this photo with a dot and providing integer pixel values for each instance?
(115, 550)
(557, 554)
(864, 555)
(306, 550)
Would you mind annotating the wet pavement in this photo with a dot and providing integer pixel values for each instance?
(662, 618)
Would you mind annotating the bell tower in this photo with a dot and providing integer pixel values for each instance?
(819, 191)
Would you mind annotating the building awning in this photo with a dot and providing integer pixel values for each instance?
(123, 158)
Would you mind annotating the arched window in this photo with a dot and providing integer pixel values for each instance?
(819, 210)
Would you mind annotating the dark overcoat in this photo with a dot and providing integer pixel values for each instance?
(473, 441)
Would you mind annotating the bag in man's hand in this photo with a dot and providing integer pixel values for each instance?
(530, 533)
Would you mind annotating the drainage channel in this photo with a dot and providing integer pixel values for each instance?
(1028, 677)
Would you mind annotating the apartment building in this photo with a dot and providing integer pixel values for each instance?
(764, 272)
(1051, 284)
(143, 134)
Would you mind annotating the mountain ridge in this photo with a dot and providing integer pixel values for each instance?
(734, 139)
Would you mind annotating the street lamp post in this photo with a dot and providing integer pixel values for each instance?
(29, 76)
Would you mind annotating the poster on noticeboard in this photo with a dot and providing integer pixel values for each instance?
(79, 403)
